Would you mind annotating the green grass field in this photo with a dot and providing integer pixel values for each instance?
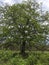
(8, 57)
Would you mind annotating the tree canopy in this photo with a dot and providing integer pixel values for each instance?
(22, 24)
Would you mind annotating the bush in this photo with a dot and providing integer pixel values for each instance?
(34, 58)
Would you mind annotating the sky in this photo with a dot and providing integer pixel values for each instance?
(45, 2)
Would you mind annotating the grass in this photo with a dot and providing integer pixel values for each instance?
(8, 57)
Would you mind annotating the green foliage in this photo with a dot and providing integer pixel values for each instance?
(22, 24)
(35, 58)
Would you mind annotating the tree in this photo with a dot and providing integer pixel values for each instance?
(22, 24)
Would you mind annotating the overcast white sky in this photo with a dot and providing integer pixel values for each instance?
(45, 2)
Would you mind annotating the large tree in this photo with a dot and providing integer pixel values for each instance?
(22, 24)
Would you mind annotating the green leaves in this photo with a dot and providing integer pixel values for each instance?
(36, 57)
(22, 22)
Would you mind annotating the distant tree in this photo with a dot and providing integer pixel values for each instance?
(22, 24)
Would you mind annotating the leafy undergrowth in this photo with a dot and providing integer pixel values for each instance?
(8, 57)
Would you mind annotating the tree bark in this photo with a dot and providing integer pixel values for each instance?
(23, 48)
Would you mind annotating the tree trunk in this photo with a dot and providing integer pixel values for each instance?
(23, 48)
